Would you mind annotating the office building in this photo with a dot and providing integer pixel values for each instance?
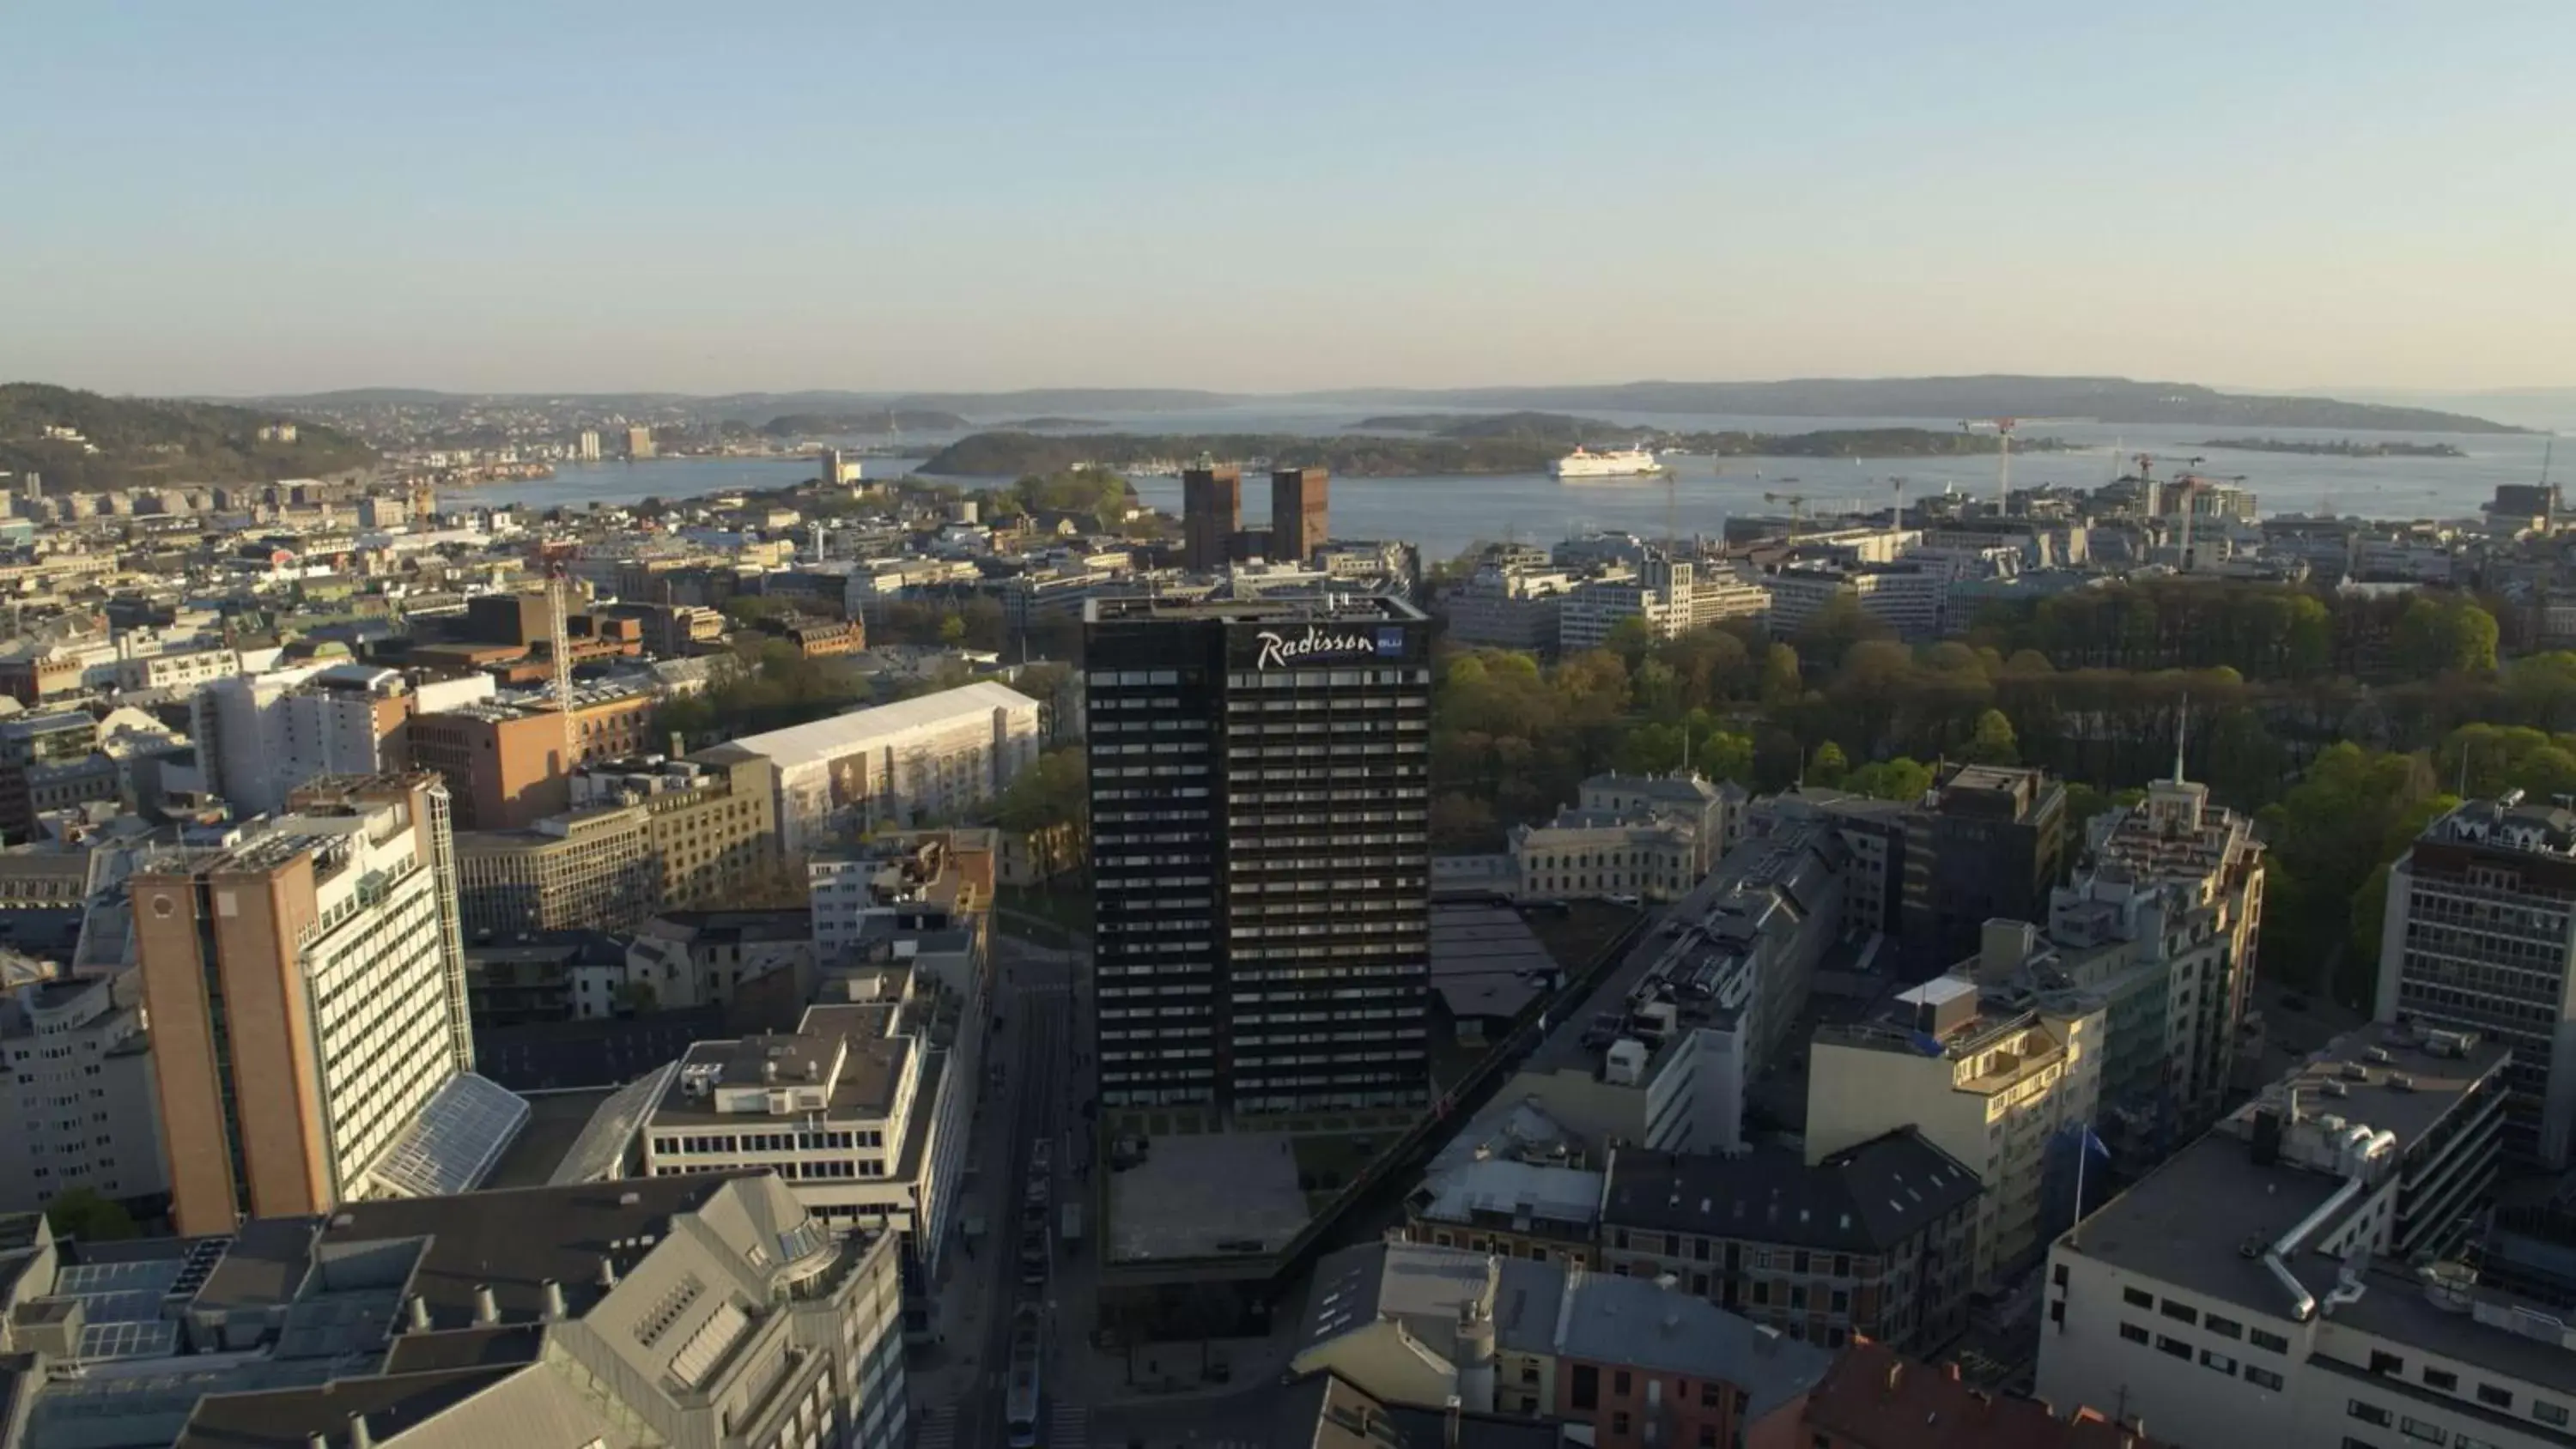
(1211, 515)
(1907, 598)
(1660, 592)
(585, 449)
(705, 1311)
(1988, 843)
(1651, 836)
(2263, 1287)
(1992, 1086)
(79, 1109)
(1299, 521)
(1876, 1241)
(2480, 935)
(639, 444)
(939, 755)
(936, 880)
(306, 987)
(1510, 606)
(508, 760)
(641, 836)
(1259, 831)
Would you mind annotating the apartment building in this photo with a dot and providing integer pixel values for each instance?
(1653, 836)
(176, 669)
(306, 987)
(508, 761)
(935, 880)
(1623, 1362)
(1876, 1241)
(80, 1111)
(259, 736)
(1260, 815)
(1544, 1212)
(1660, 1054)
(1990, 1087)
(2480, 935)
(707, 1311)
(1662, 592)
(49, 761)
(2255, 1290)
(938, 756)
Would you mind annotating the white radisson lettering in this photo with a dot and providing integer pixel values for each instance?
(1277, 651)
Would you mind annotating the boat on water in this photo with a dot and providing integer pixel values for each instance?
(1616, 463)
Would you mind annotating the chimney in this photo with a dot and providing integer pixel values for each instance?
(317, 1440)
(607, 1272)
(419, 1314)
(1449, 1426)
(554, 1302)
(359, 1438)
(487, 1309)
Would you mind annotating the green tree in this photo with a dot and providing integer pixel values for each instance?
(1781, 681)
(1896, 779)
(1827, 766)
(952, 630)
(1991, 741)
(83, 1213)
(2443, 636)
(1631, 639)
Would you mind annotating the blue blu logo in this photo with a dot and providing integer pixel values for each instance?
(1390, 641)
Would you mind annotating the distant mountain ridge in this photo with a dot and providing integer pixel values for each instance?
(2101, 399)
(82, 442)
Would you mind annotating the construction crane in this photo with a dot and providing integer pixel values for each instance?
(2002, 428)
(1896, 486)
(1797, 508)
(550, 557)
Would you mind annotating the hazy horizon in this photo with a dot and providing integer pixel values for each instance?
(998, 197)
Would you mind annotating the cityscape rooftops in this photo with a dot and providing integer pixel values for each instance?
(826, 739)
(841, 1062)
(1872, 1396)
(1863, 1199)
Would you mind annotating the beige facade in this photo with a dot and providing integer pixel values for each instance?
(643, 836)
(1990, 1088)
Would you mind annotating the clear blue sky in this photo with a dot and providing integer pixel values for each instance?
(539, 195)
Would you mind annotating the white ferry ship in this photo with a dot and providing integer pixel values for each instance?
(1617, 463)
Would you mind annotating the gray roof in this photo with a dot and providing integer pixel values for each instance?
(1633, 1323)
(2184, 1222)
(1485, 960)
(1865, 1199)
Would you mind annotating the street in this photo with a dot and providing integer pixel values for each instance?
(1037, 1099)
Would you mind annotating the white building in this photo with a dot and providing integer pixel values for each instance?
(179, 669)
(1509, 606)
(1906, 598)
(2249, 1291)
(79, 1109)
(940, 755)
(1659, 592)
(261, 735)
(861, 1112)
(1655, 836)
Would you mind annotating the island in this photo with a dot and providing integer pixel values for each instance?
(2336, 448)
(871, 423)
(1048, 425)
(83, 442)
(1458, 447)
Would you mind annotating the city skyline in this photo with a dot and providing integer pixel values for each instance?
(480, 200)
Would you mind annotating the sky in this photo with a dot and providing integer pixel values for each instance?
(560, 196)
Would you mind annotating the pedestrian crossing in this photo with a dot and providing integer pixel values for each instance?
(938, 1428)
(1068, 1427)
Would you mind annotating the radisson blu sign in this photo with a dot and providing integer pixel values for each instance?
(1318, 644)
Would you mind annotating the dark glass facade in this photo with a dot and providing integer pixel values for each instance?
(1260, 803)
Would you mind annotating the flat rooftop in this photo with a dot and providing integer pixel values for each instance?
(2185, 1222)
(871, 1064)
(1194, 1194)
